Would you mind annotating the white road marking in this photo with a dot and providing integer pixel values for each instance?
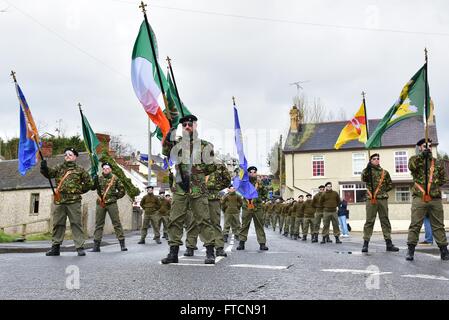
(229, 248)
(355, 271)
(258, 266)
(190, 264)
(424, 276)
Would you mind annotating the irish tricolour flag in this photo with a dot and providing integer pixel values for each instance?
(145, 79)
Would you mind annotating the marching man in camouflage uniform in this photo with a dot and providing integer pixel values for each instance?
(151, 204)
(164, 211)
(277, 207)
(378, 183)
(330, 200)
(427, 199)
(216, 182)
(195, 163)
(71, 181)
(309, 214)
(111, 189)
(297, 216)
(318, 213)
(252, 210)
(231, 203)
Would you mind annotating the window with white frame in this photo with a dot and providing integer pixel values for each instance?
(400, 162)
(403, 194)
(318, 166)
(353, 193)
(358, 163)
(34, 205)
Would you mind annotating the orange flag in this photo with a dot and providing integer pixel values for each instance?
(355, 129)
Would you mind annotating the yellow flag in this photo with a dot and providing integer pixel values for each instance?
(355, 129)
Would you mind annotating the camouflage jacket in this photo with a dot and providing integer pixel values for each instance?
(284, 209)
(416, 165)
(77, 183)
(194, 160)
(309, 210)
(386, 186)
(262, 193)
(217, 181)
(115, 192)
(232, 203)
(330, 200)
(299, 210)
(164, 210)
(316, 202)
(150, 203)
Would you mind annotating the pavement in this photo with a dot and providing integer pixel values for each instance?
(289, 270)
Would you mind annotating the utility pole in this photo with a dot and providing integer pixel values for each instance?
(280, 165)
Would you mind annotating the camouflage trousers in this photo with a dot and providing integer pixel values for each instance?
(317, 221)
(164, 222)
(100, 217)
(255, 215)
(215, 215)
(231, 222)
(327, 218)
(434, 209)
(307, 223)
(60, 215)
(287, 221)
(276, 220)
(298, 225)
(200, 214)
(154, 219)
(268, 218)
(380, 207)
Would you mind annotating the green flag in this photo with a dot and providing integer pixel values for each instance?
(91, 142)
(174, 107)
(409, 104)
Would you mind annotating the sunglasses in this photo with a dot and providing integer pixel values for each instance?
(376, 159)
(69, 154)
(188, 123)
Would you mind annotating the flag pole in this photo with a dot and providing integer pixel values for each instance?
(13, 75)
(426, 105)
(176, 87)
(369, 151)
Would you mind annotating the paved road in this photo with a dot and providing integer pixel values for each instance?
(289, 270)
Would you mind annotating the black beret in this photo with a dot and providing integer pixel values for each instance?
(301, 196)
(308, 195)
(252, 168)
(189, 117)
(320, 187)
(420, 142)
(374, 155)
(106, 164)
(328, 183)
(71, 149)
(161, 192)
(150, 187)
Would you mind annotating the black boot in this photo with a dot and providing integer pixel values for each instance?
(390, 246)
(263, 247)
(323, 240)
(225, 238)
(96, 247)
(54, 251)
(142, 241)
(444, 253)
(241, 245)
(158, 241)
(172, 257)
(337, 239)
(219, 252)
(165, 236)
(236, 237)
(410, 252)
(328, 239)
(210, 256)
(295, 237)
(122, 245)
(81, 252)
(314, 238)
(365, 246)
(304, 237)
(285, 234)
(189, 252)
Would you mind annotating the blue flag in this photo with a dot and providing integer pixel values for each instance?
(29, 137)
(241, 181)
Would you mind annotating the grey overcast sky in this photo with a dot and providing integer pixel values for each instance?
(65, 52)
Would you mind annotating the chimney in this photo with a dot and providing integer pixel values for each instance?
(295, 125)
(47, 149)
(104, 142)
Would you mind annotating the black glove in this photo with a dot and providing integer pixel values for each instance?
(369, 165)
(44, 166)
(96, 183)
(171, 135)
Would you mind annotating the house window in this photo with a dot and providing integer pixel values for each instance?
(403, 194)
(318, 166)
(34, 208)
(400, 162)
(353, 193)
(358, 163)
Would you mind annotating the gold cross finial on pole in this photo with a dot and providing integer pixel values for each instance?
(425, 53)
(79, 105)
(142, 6)
(168, 60)
(233, 100)
(363, 94)
(13, 75)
